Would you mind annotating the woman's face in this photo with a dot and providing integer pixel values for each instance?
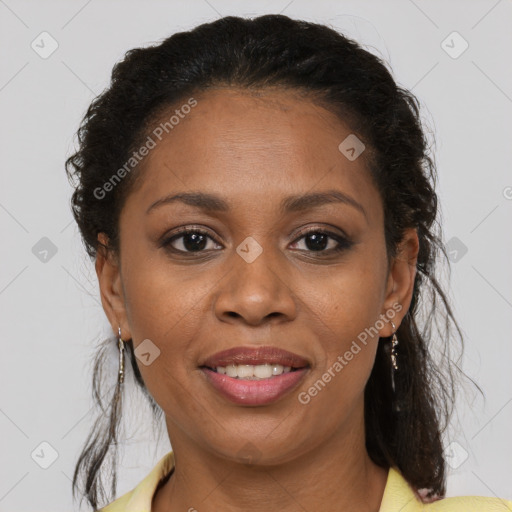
(253, 279)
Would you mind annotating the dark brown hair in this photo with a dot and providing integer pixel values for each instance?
(403, 429)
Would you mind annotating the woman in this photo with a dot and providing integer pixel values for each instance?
(260, 205)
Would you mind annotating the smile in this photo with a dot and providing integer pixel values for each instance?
(254, 390)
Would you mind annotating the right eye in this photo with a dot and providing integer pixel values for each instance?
(192, 240)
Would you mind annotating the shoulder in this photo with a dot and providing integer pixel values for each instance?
(399, 495)
(119, 504)
(469, 504)
(140, 498)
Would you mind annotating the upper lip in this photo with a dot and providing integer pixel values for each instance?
(255, 356)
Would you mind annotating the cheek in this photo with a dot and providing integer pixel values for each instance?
(162, 326)
(349, 310)
(161, 300)
(352, 299)
(162, 313)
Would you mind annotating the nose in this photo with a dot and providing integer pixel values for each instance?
(255, 292)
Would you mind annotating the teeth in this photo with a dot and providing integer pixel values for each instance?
(253, 372)
(231, 370)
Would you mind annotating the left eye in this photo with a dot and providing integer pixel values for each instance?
(317, 239)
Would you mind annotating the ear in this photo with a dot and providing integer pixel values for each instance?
(111, 289)
(400, 283)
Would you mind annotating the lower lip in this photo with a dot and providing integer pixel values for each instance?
(254, 392)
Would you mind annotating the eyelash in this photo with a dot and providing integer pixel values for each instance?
(343, 242)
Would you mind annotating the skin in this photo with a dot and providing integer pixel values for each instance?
(254, 150)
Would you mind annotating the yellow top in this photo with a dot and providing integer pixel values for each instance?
(398, 496)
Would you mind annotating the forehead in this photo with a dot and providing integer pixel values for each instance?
(252, 146)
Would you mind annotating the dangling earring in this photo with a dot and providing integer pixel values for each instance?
(120, 344)
(394, 364)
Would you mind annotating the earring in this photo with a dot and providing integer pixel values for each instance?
(394, 343)
(394, 365)
(120, 344)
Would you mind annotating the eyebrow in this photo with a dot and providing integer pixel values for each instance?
(298, 203)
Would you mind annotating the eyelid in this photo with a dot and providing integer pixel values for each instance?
(328, 229)
(183, 230)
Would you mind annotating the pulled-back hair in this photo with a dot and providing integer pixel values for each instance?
(403, 429)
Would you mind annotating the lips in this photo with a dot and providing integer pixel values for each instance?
(255, 356)
(254, 392)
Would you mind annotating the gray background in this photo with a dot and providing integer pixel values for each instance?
(51, 316)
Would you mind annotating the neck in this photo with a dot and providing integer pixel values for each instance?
(315, 480)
